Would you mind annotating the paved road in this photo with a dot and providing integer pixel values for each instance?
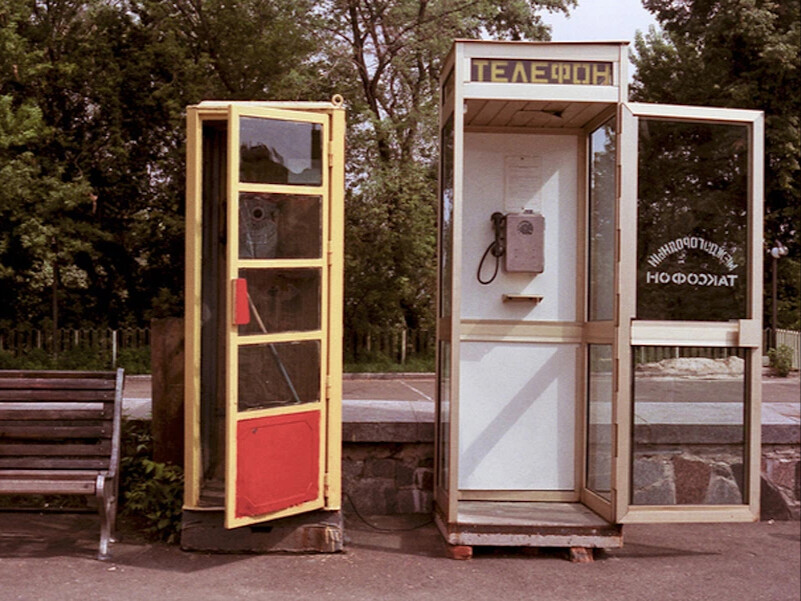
(50, 558)
(659, 400)
(422, 387)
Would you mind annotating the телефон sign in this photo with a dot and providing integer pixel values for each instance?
(579, 73)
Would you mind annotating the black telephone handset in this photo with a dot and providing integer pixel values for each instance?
(497, 247)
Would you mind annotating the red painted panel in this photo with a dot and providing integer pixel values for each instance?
(242, 308)
(278, 462)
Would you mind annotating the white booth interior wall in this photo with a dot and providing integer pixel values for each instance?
(517, 424)
(485, 187)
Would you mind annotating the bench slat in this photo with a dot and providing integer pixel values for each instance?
(51, 463)
(48, 431)
(63, 396)
(53, 414)
(50, 475)
(103, 448)
(67, 383)
(34, 374)
(44, 487)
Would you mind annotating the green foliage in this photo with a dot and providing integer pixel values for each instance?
(80, 358)
(92, 138)
(380, 363)
(134, 360)
(741, 54)
(151, 493)
(781, 360)
(385, 58)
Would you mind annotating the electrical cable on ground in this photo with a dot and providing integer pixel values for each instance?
(380, 529)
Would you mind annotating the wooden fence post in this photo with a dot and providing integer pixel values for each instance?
(167, 369)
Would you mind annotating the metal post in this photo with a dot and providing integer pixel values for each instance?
(778, 250)
(773, 304)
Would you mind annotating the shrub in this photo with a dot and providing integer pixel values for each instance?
(151, 493)
(135, 360)
(781, 360)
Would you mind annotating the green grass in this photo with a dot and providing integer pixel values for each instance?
(378, 364)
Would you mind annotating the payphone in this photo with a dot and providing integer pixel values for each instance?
(518, 238)
(265, 196)
(583, 239)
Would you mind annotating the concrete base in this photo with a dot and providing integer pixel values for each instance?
(314, 532)
(523, 524)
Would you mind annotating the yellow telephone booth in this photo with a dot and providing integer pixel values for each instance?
(265, 186)
(599, 314)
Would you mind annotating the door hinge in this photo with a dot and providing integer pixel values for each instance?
(330, 252)
(327, 484)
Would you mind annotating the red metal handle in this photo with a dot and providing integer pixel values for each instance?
(241, 303)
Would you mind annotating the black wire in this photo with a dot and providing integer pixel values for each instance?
(491, 247)
(378, 528)
(497, 247)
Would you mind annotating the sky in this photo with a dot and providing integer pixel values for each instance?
(601, 20)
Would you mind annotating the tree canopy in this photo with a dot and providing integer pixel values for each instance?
(740, 54)
(92, 97)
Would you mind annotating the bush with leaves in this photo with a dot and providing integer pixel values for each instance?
(151, 493)
(781, 360)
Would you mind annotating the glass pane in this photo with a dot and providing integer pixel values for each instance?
(282, 300)
(446, 220)
(689, 426)
(692, 222)
(444, 418)
(602, 222)
(599, 420)
(271, 375)
(273, 151)
(280, 226)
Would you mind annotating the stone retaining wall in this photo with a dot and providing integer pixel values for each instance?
(382, 478)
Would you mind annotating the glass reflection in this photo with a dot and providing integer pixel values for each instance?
(599, 420)
(280, 226)
(692, 221)
(282, 300)
(688, 443)
(602, 222)
(446, 220)
(272, 375)
(273, 151)
(444, 417)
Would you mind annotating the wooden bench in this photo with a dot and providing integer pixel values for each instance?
(60, 434)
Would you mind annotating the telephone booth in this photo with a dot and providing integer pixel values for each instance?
(265, 185)
(599, 310)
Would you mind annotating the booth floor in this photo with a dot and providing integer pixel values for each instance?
(50, 557)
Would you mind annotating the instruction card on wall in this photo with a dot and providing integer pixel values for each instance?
(523, 183)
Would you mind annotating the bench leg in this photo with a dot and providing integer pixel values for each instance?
(106, 507)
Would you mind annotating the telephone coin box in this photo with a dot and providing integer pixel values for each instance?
(525, 235)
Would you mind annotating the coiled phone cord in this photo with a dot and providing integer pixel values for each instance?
(497, 247)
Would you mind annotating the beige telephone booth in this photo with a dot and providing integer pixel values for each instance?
(265, 191)
(599, 311)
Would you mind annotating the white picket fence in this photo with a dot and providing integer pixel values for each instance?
(789, 338)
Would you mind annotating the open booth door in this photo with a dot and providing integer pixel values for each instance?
(687, 365)
(277, 335)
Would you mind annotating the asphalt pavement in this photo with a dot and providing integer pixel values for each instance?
(51, 556)
(46, 557)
